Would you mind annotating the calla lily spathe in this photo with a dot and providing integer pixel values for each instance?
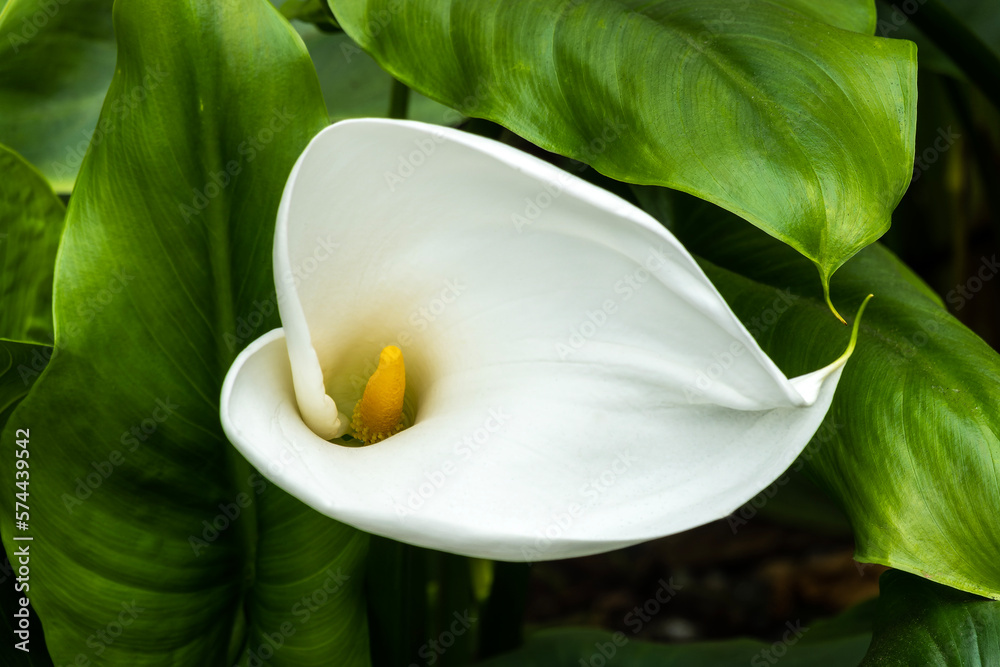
(575, 384)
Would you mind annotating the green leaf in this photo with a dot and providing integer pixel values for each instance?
(31, 223)
(856, 15)
(840, 642)
(308, 599)
(911, 445)
(802, 128)
(148, 526)
(921, 623)
(56, 62)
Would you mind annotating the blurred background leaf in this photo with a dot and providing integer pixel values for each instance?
(840, 642)
(31, 224)
(57, 58)
(56, 62)
(354, 86)
(316, 12)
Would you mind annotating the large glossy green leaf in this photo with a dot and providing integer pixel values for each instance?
(765, 108)
(56, 62)
(149, 527)
(309, 590)
(921, 623)
(840, 642)
(911, 446)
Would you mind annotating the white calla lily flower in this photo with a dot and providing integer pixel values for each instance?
(573, 382)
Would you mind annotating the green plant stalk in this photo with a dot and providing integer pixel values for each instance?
(399, 100)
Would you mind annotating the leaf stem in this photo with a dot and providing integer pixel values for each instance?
(826, 295)
(399, 100)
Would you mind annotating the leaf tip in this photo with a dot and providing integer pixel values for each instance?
(826, 295)
(854, 334)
